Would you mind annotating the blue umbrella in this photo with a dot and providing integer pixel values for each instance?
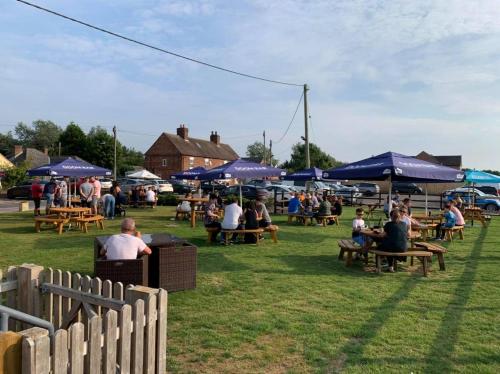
(476, 176)
(190, 174)
(395, 167)
(241, 169)
(70, 168)
(310, 174)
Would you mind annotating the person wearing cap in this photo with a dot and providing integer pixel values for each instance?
(127, 245)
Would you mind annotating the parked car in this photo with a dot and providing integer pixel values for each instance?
(162, 186)
(491, 203)
(259, 183)
(489, 190)
(406, 188)
(181, 187)
(248, 192)
(350, 194)
(106, 183)
(209, 186)
(22, 190)
(317, 186)
(283, 192)
(128, 184)
(368, 189)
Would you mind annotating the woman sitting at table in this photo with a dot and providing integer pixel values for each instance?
(211, 218)
(394, 237)
(251, 222)
(185, 206)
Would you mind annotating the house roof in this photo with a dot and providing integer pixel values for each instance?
(33, 156)
(451, 161)
(200, 148)
(54, 159)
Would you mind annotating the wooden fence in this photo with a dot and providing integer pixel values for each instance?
(101, 327)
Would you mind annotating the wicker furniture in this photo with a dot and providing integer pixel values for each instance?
(126, 271)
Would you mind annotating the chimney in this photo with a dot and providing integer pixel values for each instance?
(46, 151)
(214, 138)
(182, 131)
(18, 149)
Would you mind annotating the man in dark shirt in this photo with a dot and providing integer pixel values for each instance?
(394, 237)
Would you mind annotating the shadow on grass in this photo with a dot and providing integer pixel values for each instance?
(351, 352)
(215, 262)
(442, 348)
(306, 265)
(27, 229)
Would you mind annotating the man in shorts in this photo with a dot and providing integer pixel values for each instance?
(86, 190)
(96, 194)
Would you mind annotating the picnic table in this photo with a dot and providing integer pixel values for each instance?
(70, 212)
(423, 218)
(424, 229)
(194, 201)
(474, 213)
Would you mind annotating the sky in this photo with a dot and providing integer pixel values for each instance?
(402, 76)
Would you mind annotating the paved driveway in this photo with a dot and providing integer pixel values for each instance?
(8, 205)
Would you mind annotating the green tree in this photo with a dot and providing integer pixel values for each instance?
(73, 141)
(319, 158)
(14, 175)
(42, 134)
(257, 151)
(100, 148)
(129, 158)
(7, 143)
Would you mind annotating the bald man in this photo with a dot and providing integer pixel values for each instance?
(125, 246)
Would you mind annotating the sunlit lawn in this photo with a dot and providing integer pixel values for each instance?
(293, 307)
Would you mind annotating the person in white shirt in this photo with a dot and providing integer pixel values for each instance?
(63, 192)
(232, 214)
(151, 197)
(125, 246)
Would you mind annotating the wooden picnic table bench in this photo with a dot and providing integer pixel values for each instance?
(53, 219)
(325, 219)
(436, 249)
(422, 255)
(271, 229)
(255, 232)
(449, 231)
(84, 221)
(349, 246)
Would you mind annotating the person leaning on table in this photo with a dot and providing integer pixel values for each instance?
(125, 246)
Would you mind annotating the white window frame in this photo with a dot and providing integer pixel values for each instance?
(164, 162)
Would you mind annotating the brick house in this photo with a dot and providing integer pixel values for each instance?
(171, 153)
(450, 161)
(32, 157)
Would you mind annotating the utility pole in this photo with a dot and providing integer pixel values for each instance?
(271, 152)
(59, 149)
(264, 155)
(306, 125)
(114, 164)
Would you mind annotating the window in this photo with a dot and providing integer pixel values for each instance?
(207, 162)
(191, 161)
(164, 162)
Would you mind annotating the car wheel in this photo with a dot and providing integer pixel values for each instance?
(10, 195)
(491, 208)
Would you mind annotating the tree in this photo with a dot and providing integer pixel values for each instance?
(15, 175)
(130, 158)
(257, 150)
(7, 143)
(42, 134)
(318, 158)
(100, 148)
(73, 141)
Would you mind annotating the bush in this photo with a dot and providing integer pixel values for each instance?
(168, 199)
(14, 176)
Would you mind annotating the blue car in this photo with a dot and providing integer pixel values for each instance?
(487, 202)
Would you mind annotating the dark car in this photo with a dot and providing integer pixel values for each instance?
(208, 187)
(248, 192)
(22, 191)
(406, 188)
(181, 187)
(368, 189)
(489, 190)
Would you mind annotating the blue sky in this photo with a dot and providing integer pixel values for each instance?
(404, 76)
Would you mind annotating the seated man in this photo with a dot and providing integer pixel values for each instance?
(294, 204)
(232, 215)
(125, 246)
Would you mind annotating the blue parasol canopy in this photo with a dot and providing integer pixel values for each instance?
(189, 174)
(311, 174)
(476, 176)
(241, 169)
(70, 168)
(396, 167)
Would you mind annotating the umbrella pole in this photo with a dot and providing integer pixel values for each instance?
(389, 204)
(241, 198)
(426, 201)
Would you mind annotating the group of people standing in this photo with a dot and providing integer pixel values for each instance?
(253, 216)
(55, 193)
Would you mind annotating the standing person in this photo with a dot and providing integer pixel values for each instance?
(96, 194)
(108, 202)
(407, 205)
(396, 198)
(86, 189)
(36, 194)
(394, 237)
(63, 192)
(151, 197)
(232, 215)
(50, 190)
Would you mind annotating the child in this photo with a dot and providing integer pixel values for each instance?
(358, 223)
(449, 222)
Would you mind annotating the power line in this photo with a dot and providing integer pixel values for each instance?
(157, 48)
(293, 117)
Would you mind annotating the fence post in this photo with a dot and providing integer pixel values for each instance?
(27, 286)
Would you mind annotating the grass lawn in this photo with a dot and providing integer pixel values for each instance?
(293, 307)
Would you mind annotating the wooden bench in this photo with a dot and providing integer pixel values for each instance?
(449, 231)
(255, 232)
(349, 246)
(54, 219)
(97, 219)
(298, 217)
(422, 255)
(210, 231)
(436, 249)
(273, 230)
(325, 219)
(182, 215)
